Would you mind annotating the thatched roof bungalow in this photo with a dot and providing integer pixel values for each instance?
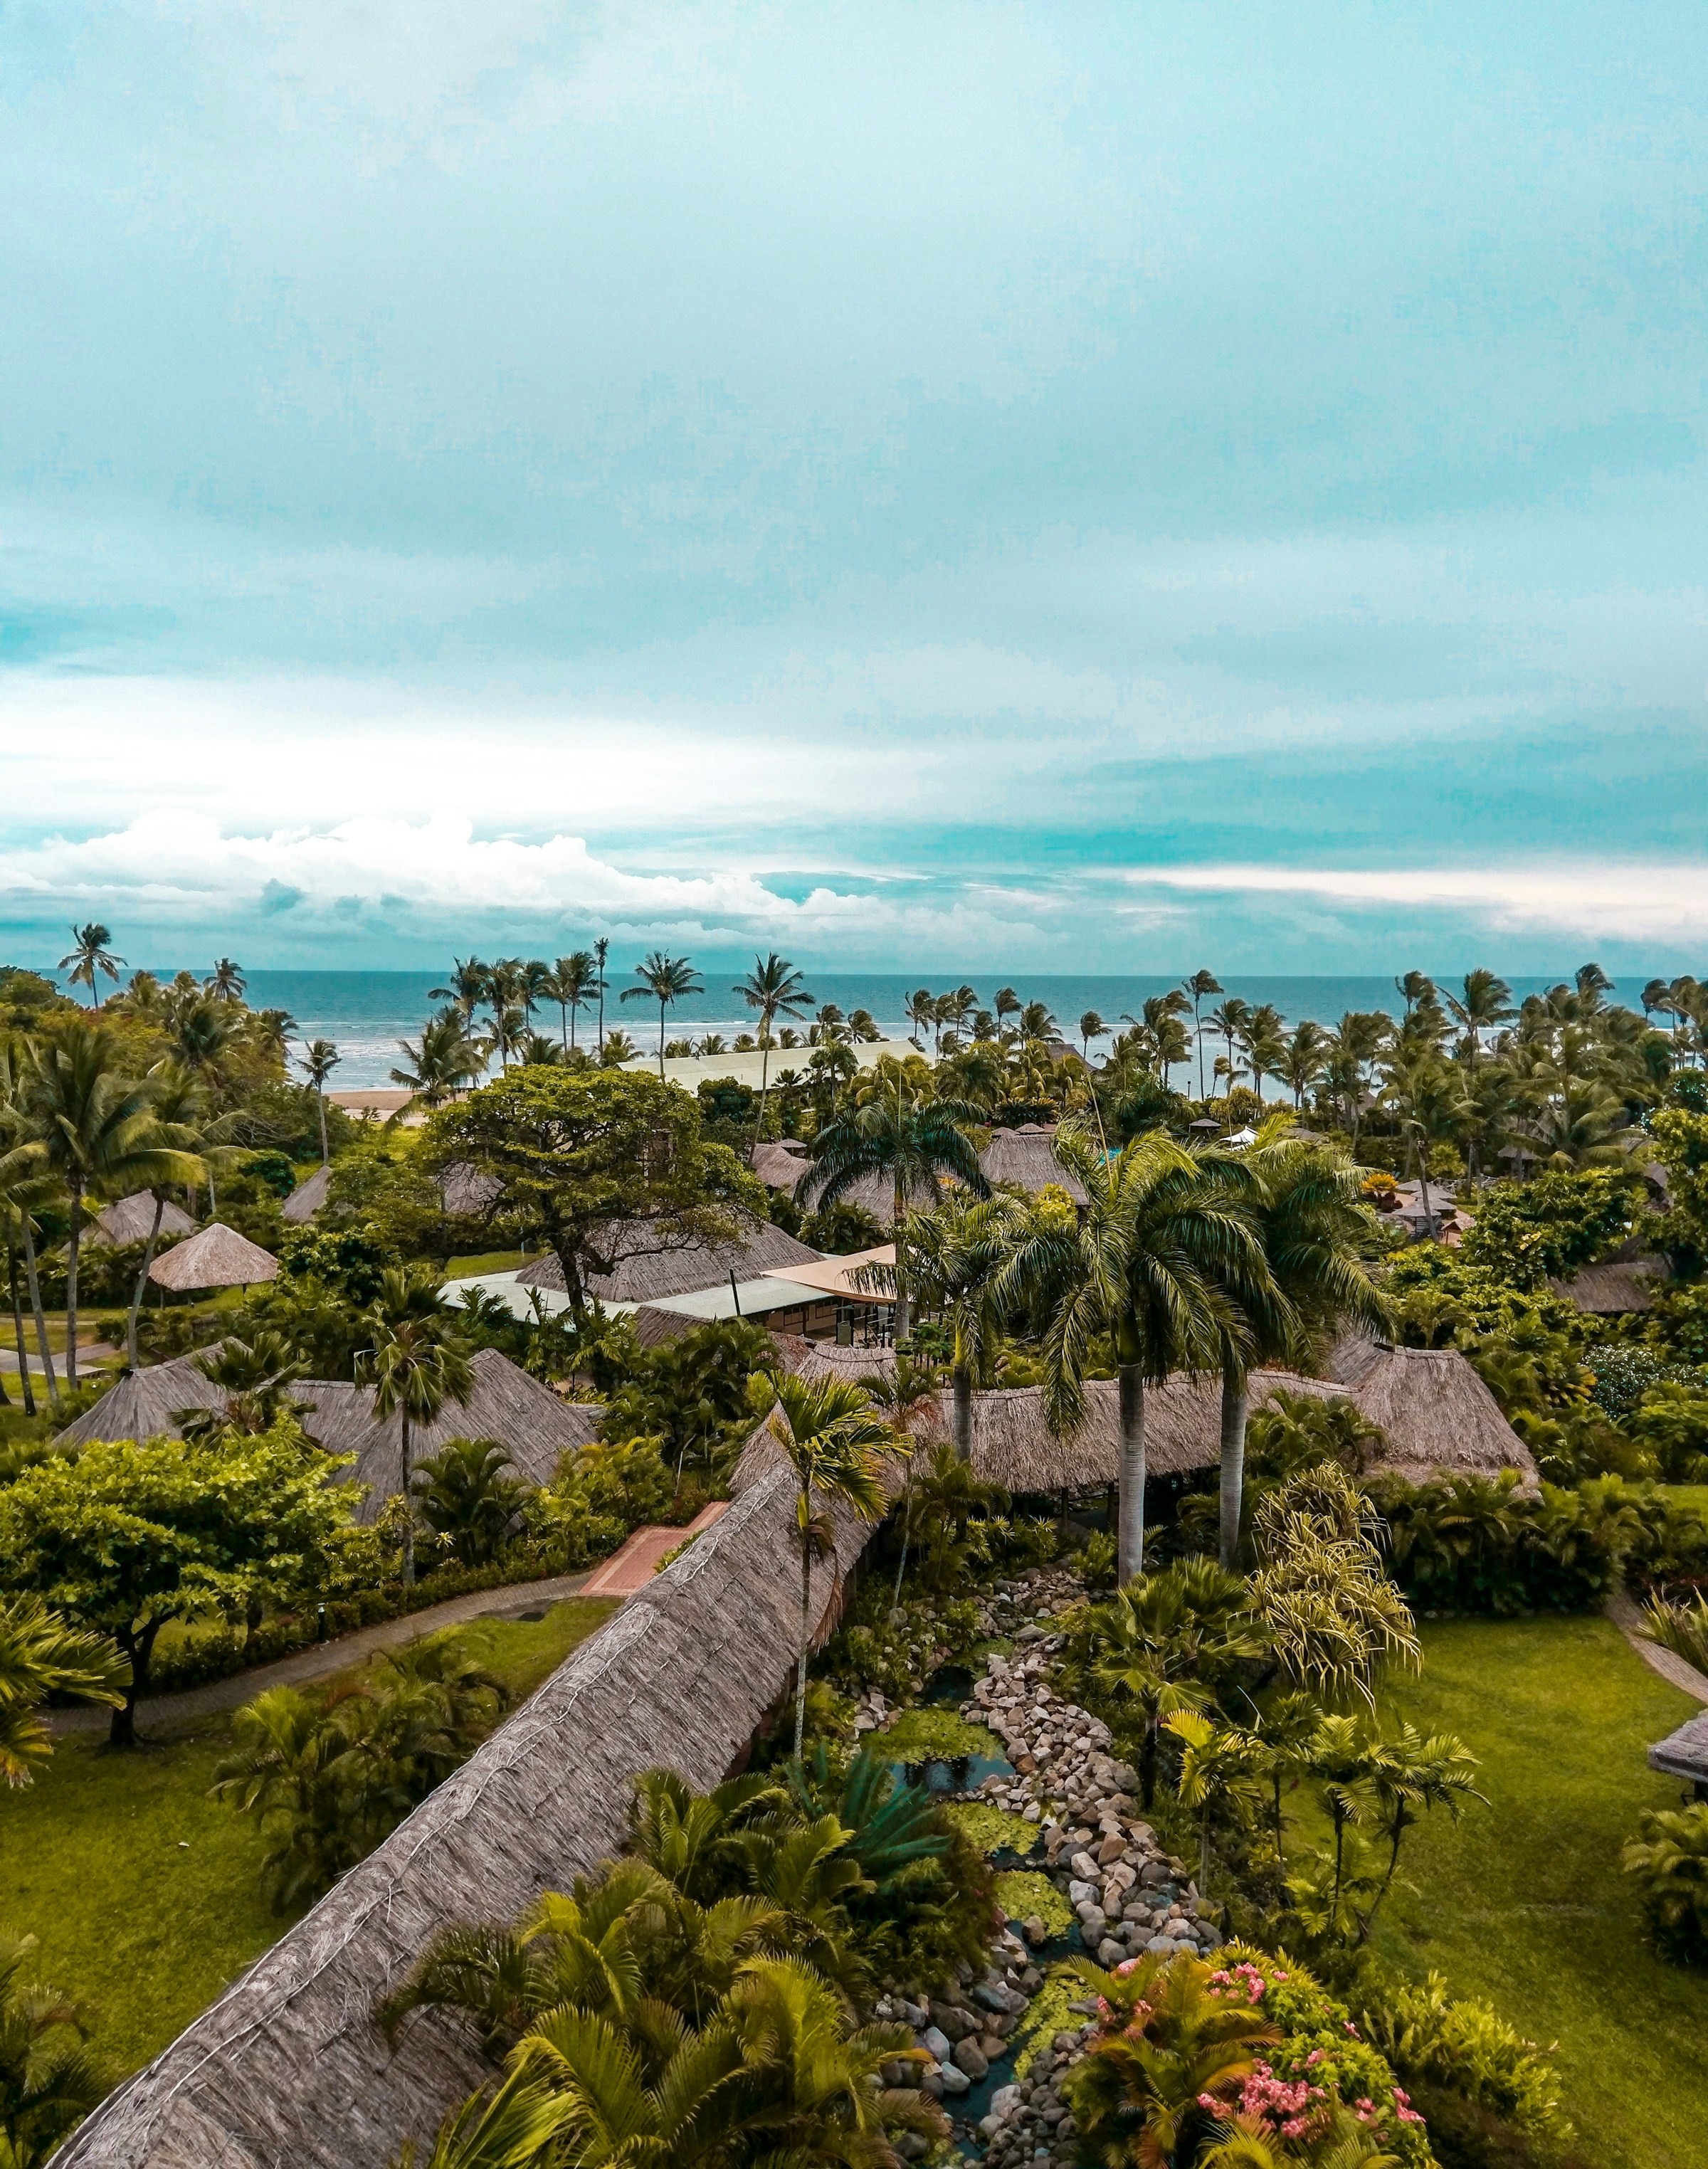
(288, 2066)
(1616, 1289)
(307, 1199)
(218, 1257)
(681, 1269)
(532, 1425)
(131, 1220)
(1025, 1158)
(780, 1163)
(1439, 1418)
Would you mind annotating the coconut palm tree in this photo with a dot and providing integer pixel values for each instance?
(575, 980)
(98, 1130)
(1304, 1204)
(955, 1254)
(891, 1129)
(601, 951)
(467, 990)
(1486, 1002)
(319, 1059)
(1159, 1241)
(415, 1365)
(1433, 1105)
(442, 1061)
(1301, 1059)
(1228, 1020)
(775, 989)
(1092, 1027)
(25, 1185)
(1194, 990)
(921, 1010)
(42, 1655)
(226, 983)
(663, 979)
(90, 954)
(837, 1445)
(181, 1108)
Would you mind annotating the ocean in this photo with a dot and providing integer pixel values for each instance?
(366, 1014)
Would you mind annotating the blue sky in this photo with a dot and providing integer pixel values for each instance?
(986, 487)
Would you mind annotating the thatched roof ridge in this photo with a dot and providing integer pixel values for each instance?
(307, 1199)
(217, 1257)
(679, 1270)
(130, 1220)
(1025, 1158)
(1440, 1417)
(828, 1359)
(1610, 1290)
(288, 2066)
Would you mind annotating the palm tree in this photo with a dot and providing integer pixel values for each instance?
(273, 1029)
(1262, 1044)
(921, 1010)
(1301, 1059)
(775, 989)
(469, 982)
(663, 979)
(441, 1063)
(25, 1185)
(1092, 1027)
(601, 950)
(49, 2079)
(1433, 1106)
(837, 1445)
(955, 1254)
(181, 1107)
(1160, 1239)
(1194, 990)
(1222, 1766)
(98, 1130)
(227, 983)
(320, 1058)
(416, 1367)
(1408, 1776)
(1487, 1002)
(1228, 1020)
(468, 1496)
(1304, 1203)
(1005, 1003)
(89, 955)
(573, 982)
(890, 1131)
(40, 1655)
(508, 1029)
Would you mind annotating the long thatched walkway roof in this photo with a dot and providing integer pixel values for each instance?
(288, 2071)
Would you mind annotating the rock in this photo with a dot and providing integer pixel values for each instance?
(912, 2145)
(1094, 1924)
(912, 2014)
(1004, 2102)
(935, 2043)
(1032, 1812)
(1111, 1953)
(1161, 1944)
(971, 2059)
(1084, 1867)
(1081, 1892)
(952, 2080)
(1111, 1850)
(950, 2019)
(1154, 1874)
(1036, 1932)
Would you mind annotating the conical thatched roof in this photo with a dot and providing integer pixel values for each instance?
(1439, 1418)
(780, 1165)
(288, 2067)
(468, 1192)
(218, 1257)
(144, 1405)
(130, 1220)
(307, 1199)
(1025, 1158)
(679, 1268)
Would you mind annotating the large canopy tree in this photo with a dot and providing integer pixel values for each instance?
(600, 1166)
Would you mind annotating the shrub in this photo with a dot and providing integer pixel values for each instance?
(1466, 2047)
(1527, 1233)
(1683, 1628)
(1669, 1858)
(1471, 1544)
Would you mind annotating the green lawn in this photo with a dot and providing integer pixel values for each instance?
(485, 1261)
(1523, 1902)
(144, 1893)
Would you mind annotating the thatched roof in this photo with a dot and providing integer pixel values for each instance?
(1611, 1290)
(678, 1270)
(466, 1192)
(1683, 1753)
(1025, 1158)
(827, 1359)
(218, 1257)
(307, 1198)
(532, 1425)
(288, 2067)
(129, 1219)
(1440, 1417)
(780, 1165)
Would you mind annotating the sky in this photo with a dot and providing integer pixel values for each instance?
(939, 488)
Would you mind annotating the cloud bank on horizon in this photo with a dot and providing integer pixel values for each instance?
(1022, 487)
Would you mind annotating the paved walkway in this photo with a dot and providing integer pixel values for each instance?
(320, 1660)
(633, 1564)
(1626, 1616)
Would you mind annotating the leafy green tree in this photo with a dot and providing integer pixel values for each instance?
(97, 1130)
(125, 1536)
(1221, 1772)
(468, 1498)
(664, 979)
(90, 956)
(49, 2079)
(599, 1165)
(1526, 1233)
(40, 1653)
(837, 1445)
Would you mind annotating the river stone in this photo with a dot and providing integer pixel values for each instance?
(971, 2059)
(936, 2043)
(953, 2080)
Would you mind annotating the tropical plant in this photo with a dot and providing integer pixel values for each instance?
(41, 1654)
(773, 989)
(49, 2079)
(416, 1364)
(1669, 1858)
(319, 1059)
(837, 1444)
(573, 982)
(253, 1377)
(89, 956)
(441, 1062)
(1334, 1617)
(226, 982)
(1680, 1626)
(664, 979)
(470, 984)
(467, 1499)
(25, 1185)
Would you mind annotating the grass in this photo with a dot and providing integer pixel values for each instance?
(145, 1893)
(1523, 1902)
(485, 1261)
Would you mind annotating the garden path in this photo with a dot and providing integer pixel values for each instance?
(320, 1660)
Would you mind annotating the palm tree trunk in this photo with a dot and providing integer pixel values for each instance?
(408, 1503)
(806, 1628)
(961, 1381)
(73, 1243)
(33, 1280)
(1130, 1546)
(18, 1330)
(1233, 1461)
(142, 1282)
(1424, 1190)
(661, 1042)
(325, 1156)
(564, 1026)
(904, 1319)
(906, 1531)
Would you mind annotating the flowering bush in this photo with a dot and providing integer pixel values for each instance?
(1321, 2056)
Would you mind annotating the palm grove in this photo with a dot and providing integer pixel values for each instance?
(1235, 1650)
